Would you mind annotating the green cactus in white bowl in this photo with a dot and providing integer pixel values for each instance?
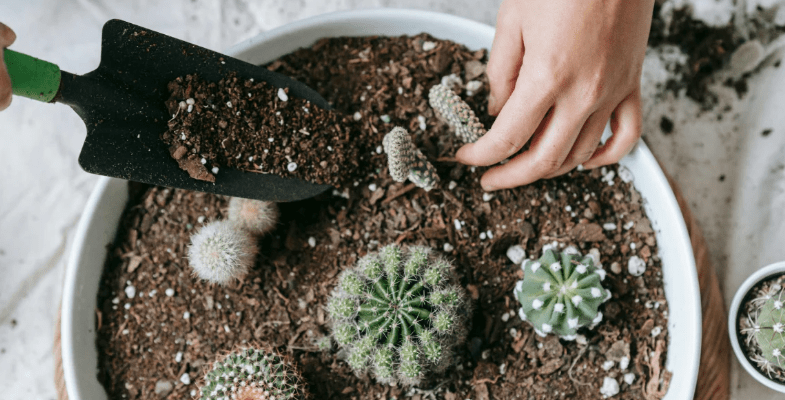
(561, 293)
(398, 314)
(765, 331)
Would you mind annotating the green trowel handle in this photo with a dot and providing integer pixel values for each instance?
(32, 78)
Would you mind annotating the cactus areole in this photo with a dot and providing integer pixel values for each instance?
(561, 293)
(765, 331)
(399, 313)
(253, 374)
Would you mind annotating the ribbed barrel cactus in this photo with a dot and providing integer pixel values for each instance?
(220, 252)
(253, 374)
(398, 313)
(561, 293)
(765, 332)
(406, 161)
(255, 216)
(456, 113)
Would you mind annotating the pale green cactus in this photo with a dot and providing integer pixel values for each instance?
(253, 374)
(561, 295)
(398, 314)
(255, 216)
(407, 162)
(220, 252)
(765, 331)
(456, 113)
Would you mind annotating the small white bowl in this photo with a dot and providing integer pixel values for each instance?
(762, 274)
(99, 221)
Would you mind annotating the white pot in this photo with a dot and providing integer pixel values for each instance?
(99, 222)
(762, 274)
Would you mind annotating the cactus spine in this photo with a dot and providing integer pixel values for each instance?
(765, 331)
(408, 162)
(220, 252)
(561, 295)
(255, 216)
(456, 113)
(253, 374)
(399, 313)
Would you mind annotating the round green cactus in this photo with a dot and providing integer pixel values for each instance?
(561, 295)
(765, 331)
(253, 374)
(399, 313)
(456, 113)
(255, 216)
(407, 162)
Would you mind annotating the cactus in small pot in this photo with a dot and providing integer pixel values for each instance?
(406, 161)
(561, 293)
(253, 374)
(398, 314)
(255, 216)
(456, 113)
(765, 331)
(220, 252)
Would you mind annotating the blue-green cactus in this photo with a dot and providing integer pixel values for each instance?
(561, 295)
(399, 313)
(253, 374)
(765, 331)
(456, 113)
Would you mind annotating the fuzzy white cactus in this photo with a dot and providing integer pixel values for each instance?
(255, 216)
(220, 252)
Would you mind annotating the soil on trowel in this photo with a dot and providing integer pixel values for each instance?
(159, 327)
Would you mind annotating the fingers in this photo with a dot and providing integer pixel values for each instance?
(505, 60)
(587, 142)
(547, 153)
(7, 37)
(626, 125)
(516, 123)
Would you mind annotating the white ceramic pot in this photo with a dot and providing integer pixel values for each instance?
(762, 274)
(99, 221)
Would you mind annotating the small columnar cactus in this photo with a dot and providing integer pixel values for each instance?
(253, 374)
(765, 331)
(398, 313)
(255, 216)
(220, 252)
(406, 161)
(456, 113)
(561, 295)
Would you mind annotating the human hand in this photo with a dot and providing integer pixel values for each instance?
(558, 70)
(7, 36)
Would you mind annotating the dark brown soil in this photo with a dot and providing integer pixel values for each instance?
(761, 290)
(281, 301)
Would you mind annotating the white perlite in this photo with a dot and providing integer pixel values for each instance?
(607, 365)
(169, 292)
(609, 226)
(312, 241)
(636, 266)
(624, 363)
(609, 387)
(656, 331)
(130, 292)
(428, 46)
(291, 167)
(185, 379)
(625, 174)
(487, 197)
(629, 378)
(448, 248)
(516, 254)
(178, 357)
(186, 315)
(282, 95)
(357, 116)
(457, 224)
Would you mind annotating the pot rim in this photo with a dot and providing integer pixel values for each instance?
(762, 274)
(387, 21)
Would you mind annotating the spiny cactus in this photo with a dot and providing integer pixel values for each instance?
(561, 295)
(255, 216)
(399, 313)
(407, 161)
(456, 113)
(765, 331)
(253, 374)
(220, 252)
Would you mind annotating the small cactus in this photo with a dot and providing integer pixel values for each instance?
(456, 113)
(256, 217)
(253, 374)
(220, 251)
(408, 162)
(561, 296)
(398, 313)
(765, 331)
